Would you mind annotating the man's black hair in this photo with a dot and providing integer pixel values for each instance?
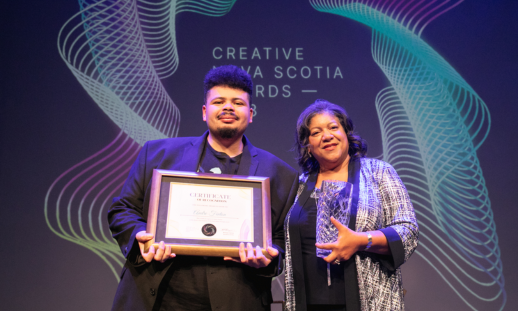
(231, 76)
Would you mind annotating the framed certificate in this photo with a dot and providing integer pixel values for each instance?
(209, 214)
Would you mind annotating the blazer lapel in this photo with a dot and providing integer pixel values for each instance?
(352, 290)
(296, 243)
(248, 164)
(192, 155)
(354, 178)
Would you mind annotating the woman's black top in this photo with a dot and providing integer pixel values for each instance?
(310, 272)
(315, 268)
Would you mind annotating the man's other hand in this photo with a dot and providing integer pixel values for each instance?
(255, 260)
(161, 254)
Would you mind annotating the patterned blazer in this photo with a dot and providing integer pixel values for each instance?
(383, 205)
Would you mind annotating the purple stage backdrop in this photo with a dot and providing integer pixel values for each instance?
(431, 85)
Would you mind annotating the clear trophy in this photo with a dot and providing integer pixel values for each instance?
(334, 199)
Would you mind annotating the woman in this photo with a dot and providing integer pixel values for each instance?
(382, 233)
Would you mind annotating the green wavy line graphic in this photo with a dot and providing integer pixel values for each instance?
(432, 124)
(118, 51)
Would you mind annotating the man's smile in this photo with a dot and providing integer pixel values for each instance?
(228, 117)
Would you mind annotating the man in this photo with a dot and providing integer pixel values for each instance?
(159, 280)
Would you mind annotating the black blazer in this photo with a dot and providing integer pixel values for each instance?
(232, 286)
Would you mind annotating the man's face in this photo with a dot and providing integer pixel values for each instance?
(227, 112)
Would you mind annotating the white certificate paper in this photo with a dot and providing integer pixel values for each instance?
(210, 212)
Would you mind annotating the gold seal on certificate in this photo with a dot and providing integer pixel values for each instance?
(209, 214)
(208, 229)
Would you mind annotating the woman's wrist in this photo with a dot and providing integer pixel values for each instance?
(369, 241)
(374, 242)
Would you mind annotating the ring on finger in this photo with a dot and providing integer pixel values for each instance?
(337, 262)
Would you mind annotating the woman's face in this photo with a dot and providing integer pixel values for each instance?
(327, 141)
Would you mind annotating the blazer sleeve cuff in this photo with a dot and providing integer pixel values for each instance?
(132, 251)
(397, 251)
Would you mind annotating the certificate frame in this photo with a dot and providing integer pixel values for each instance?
(160, 207)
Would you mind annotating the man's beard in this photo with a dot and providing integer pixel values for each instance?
(227, 133)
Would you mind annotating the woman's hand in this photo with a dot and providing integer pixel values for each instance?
(347, 244)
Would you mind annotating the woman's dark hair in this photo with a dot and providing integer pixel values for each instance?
(357, 146)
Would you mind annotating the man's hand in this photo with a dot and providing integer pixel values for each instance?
(162, 253)
(257, 260)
